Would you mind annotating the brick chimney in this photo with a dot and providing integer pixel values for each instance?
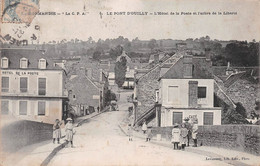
(187, 66)
(193, 94)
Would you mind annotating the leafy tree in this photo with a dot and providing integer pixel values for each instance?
(120, 71)
(152, 44)
(109, 96)
(117, 51)
(96, 55)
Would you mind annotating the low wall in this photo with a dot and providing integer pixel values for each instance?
(21, 133)
(244, 138)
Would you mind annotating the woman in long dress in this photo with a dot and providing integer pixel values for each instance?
(57, 131)
(183, 136)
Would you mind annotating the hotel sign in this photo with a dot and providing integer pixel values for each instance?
(20, 73)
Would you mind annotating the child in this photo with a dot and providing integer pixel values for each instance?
(175, 136)
(130, 132)
(149, 134)
(57, 131)
(144, 127)
(183, 136)
(195, 132)
(69, 131)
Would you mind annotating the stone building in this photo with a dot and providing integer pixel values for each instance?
(32, 87)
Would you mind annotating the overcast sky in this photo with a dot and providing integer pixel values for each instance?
(243, 26)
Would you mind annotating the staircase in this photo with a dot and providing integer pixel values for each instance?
(146, 115)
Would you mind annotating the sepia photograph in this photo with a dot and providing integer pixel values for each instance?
(129, 83)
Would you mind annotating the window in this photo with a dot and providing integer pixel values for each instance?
(23, 63)
(177, 118)
(42, 86)
(23, 84)
(173, 94)
(42, 64)
(4, 62)
(156, 95)
(4, 107)
(5, 84)
(41, 108)
(202, 91)
(23, 108)
(208, 118)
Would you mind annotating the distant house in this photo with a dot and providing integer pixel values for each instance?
(32, 87)
(87, 86)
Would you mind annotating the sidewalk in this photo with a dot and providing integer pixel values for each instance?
(41, 153)
(212, 153)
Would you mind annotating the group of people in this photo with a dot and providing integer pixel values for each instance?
(69, 129)
(181, 134)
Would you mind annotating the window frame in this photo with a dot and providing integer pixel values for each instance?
(26, 63)
(204, 119)
(173, 122)
(202, 96)
(38, 112)
(8, 107)
(27, 85)
(42, 63)
(45, 92)
(5, 89)
(2, 62)
(20, 108)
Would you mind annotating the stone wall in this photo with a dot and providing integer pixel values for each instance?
(146, 87)
(21, 133)
(244, 138)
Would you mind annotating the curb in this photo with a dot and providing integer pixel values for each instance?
(61, 146)
(53, 153)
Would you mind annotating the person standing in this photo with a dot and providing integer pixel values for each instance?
(144, 127)
(189, 128)
(149, 134)
(69, 129)
(98, 109)
(130, 132)
(195, 132)
(183, 136)
(176, 136)
(57, 131)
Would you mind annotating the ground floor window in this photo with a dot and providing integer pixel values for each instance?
(177, 117)
(4, 107)
(23, 108)
(41, 108)
(208, 118)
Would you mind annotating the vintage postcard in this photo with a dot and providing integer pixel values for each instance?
(129, 82)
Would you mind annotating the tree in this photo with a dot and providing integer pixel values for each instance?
(96, 55)
(120, 71)
(152, 44)
(109, 96)
(117, 51)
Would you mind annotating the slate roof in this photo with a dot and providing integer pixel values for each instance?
(201, 69)
(33, 56)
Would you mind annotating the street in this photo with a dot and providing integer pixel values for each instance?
(100, 141)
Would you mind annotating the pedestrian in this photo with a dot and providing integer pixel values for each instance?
(57, 131)
(98, 109)
(183, 136)
(195, 132)
(149, 134)
(144, 127)
(189, 128)
(130, 132)
(176, 136)
(69, 129)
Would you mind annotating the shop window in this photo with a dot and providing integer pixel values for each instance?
(23, 63)
(5, 84)
(177, 118)
(42, 86)
(23, 84)
(4, 62)
(208, 118)
(41, 108)
(23, 108)
(4, 107)
(202, 92)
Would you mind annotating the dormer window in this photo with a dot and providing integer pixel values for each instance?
(4, 62)
(23, 63)
(42, 64)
